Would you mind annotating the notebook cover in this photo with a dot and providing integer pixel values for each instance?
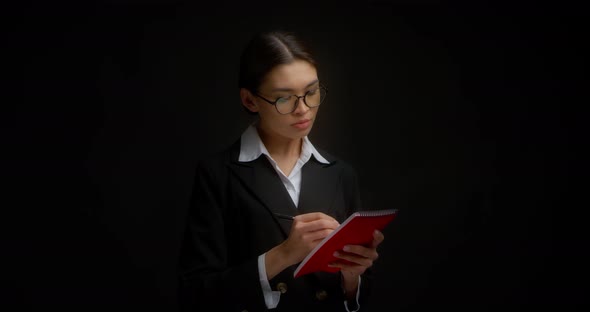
(357, 229)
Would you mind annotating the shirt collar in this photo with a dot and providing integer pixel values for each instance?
(251, 147)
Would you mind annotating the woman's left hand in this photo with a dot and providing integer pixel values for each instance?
(360, 259)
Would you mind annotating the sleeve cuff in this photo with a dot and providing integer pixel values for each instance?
(358, 306)
(271, 298)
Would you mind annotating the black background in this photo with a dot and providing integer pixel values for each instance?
(463, 116)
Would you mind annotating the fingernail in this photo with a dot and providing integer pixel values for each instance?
(336, 254)
(346, 248)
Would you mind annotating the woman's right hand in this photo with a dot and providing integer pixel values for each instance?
(306, 232)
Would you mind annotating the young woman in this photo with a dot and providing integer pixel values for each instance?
(240, 250)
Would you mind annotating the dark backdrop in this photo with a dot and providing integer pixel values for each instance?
(460, 115)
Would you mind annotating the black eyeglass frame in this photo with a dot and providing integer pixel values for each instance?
(321, 87)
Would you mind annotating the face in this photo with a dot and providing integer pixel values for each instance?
(295, 78)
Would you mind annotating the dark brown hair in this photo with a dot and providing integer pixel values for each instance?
(267, 50)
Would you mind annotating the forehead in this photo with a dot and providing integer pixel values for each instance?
(295, 75)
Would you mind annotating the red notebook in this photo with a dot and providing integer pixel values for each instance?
(355, 230)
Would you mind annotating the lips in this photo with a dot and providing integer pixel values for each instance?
(302, 124)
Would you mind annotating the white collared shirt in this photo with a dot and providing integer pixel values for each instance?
(251, 148)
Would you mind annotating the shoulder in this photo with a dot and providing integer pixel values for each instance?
(347, 180)
(216, 162)
(347, 169)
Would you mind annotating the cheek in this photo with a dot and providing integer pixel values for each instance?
(272, 119)
(314, 111)
(266, 114)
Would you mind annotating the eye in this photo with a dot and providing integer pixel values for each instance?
(283, 100)
(312, 92)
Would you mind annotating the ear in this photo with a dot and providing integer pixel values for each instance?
(248, 100)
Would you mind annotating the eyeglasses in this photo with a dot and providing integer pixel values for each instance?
(288, 104)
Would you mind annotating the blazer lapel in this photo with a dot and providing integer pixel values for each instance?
(319, 183)
(262, 181)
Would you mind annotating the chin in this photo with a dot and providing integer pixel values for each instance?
(298, 134)
(304, 133)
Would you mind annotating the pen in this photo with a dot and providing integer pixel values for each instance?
(282, 216)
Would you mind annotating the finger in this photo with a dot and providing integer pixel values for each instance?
(353, 268)
(307, 217)
(354, 258)
(316, 235)
(362, 251)
(378, 237)
(317, 225)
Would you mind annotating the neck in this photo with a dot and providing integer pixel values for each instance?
(280, 147)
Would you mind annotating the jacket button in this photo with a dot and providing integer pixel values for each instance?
(321, 294)
(282, 287)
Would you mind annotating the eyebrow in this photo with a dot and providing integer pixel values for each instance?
(287, 89)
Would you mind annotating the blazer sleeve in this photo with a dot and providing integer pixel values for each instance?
(207, 280)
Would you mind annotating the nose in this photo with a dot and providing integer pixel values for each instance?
(300, 106)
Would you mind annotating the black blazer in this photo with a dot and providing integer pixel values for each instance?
(231, 222)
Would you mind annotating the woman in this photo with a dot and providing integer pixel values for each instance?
(240, 251)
